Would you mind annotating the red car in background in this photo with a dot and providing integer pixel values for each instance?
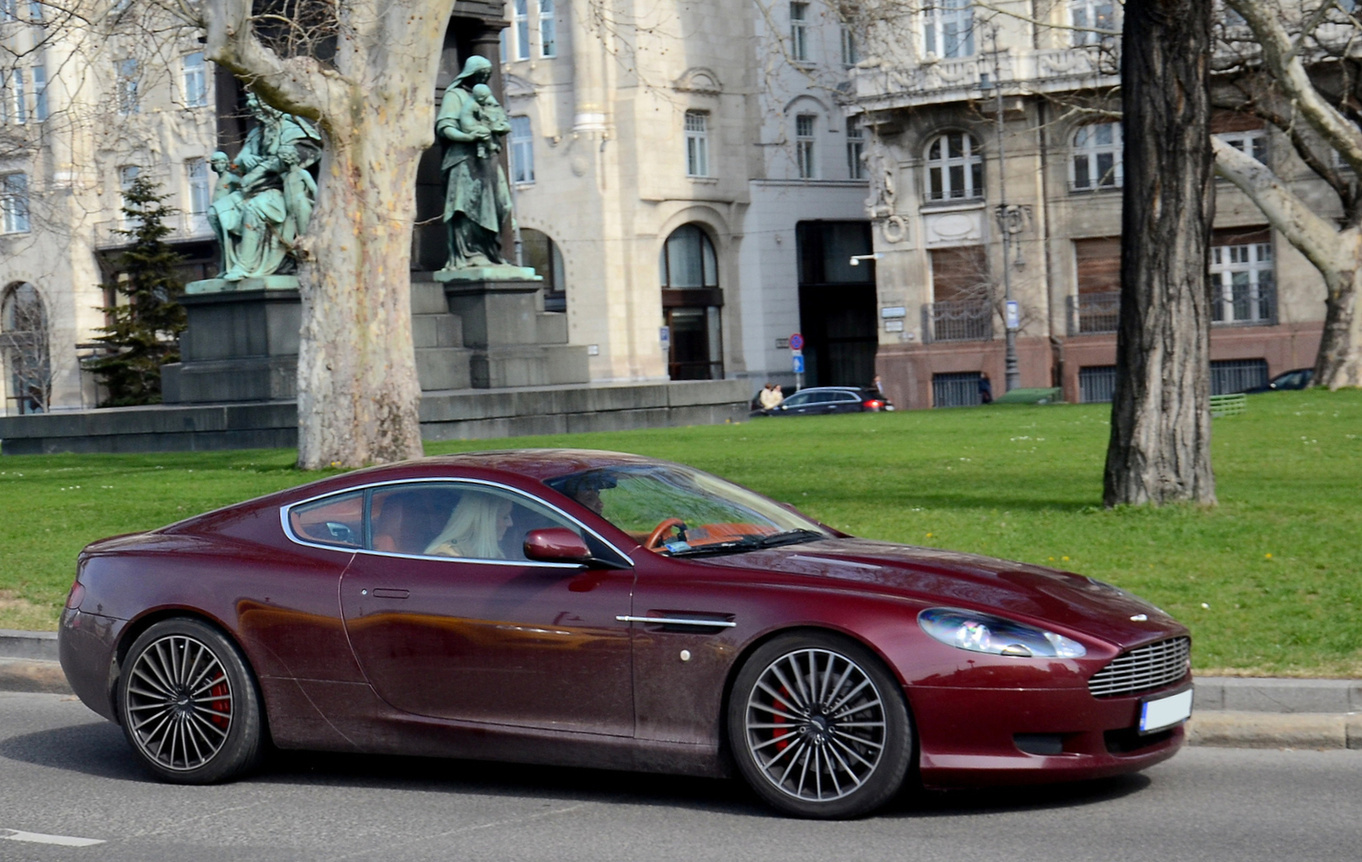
(608, 610)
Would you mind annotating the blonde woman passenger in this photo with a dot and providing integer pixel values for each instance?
(475, 529)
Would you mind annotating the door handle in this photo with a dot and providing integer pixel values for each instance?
(381, 593)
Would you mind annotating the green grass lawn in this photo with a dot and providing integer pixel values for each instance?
(1270, 581)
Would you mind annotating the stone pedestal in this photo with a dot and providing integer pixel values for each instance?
(240, 345)
(513, 343)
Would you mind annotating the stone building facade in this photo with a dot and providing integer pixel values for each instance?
(996, 171)
(683, 175)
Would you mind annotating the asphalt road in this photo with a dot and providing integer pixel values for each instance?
(65, 774)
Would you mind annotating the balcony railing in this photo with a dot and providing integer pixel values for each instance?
(1232, 305)
(1093, 313)
(964, 320)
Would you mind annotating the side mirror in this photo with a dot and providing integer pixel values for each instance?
(556, 545)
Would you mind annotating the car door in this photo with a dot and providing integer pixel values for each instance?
(486, 636)
(845, 402)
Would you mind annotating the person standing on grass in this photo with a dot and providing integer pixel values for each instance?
(985, 389)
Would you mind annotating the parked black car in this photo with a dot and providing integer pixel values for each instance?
(1297, 378)
(817, 400)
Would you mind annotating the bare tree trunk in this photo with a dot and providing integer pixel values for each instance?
(358, 395)
(1339, 362)
(357, 386)
(1160, 449)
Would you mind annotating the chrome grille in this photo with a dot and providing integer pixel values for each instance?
(1143, 669)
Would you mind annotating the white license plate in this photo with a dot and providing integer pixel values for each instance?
(1165, 712)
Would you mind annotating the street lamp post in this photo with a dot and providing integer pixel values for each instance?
(1009, 224)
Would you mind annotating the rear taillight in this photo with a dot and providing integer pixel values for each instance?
(872, 404)
(74, 597)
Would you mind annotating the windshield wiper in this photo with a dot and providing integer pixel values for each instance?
(749, 543)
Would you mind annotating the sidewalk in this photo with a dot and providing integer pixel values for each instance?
(1230, 712)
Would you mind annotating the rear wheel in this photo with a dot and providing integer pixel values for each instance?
(818, 727)
(188, 704)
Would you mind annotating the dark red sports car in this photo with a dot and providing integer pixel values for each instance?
(608, 610)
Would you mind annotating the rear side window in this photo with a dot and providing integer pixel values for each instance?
(335, 520)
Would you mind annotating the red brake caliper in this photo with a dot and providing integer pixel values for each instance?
(222, 707)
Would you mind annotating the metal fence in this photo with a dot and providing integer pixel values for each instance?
(959, 389)
(1236, 375)
(1096, 384)
(964, 320)
(1091, 313)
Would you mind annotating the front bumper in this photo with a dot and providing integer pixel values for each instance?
(972, 736)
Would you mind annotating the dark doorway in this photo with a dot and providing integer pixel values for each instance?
(837, 303)
(691, 302)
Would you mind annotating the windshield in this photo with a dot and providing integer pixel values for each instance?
(678, 511)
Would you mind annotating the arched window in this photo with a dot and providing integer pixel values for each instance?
(691, 301)
(541, 253)
(25, 346)
(1096, 162)
(955, 170)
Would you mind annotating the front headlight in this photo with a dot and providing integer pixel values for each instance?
(986, 633)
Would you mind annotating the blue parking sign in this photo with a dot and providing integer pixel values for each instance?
(798, 364)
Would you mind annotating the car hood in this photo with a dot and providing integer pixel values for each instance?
(951, 579)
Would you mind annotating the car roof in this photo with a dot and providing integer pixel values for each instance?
(539, 464)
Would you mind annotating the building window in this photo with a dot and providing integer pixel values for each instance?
(24, 348)
(955, 169)
(1096, 384)
(539, 252)
(14, 203)
(195, 80)
(855, 149)
(799, 32)
(15, 94)
(548, 30)
(697, 144)
(804, 152)
(1252, 142)
(40, 108)
(127, 83)
(522, 151)
(1093, 21)
(200, 194)
(948, 28)
(1235, 375)
(1097, 156)
(691, 302)
(520, 24)
(851, 55)
(1097, 307)
(962, 295)
(1243, 283)
(956, 389)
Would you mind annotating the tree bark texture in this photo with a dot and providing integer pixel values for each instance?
(358, 395)
(1160, 422)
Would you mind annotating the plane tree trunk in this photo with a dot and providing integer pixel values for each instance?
(1159, 450)
(375, 105)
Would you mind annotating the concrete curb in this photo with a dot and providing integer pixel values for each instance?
(1230, 712)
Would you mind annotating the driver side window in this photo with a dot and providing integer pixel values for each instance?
(450, 519)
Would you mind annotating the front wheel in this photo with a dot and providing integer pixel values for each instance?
(818, 727)
(188, 704)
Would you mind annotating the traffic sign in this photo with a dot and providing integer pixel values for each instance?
(799, 363)
(796, 342)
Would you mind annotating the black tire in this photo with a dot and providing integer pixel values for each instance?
(189, 705)
(818, 727)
